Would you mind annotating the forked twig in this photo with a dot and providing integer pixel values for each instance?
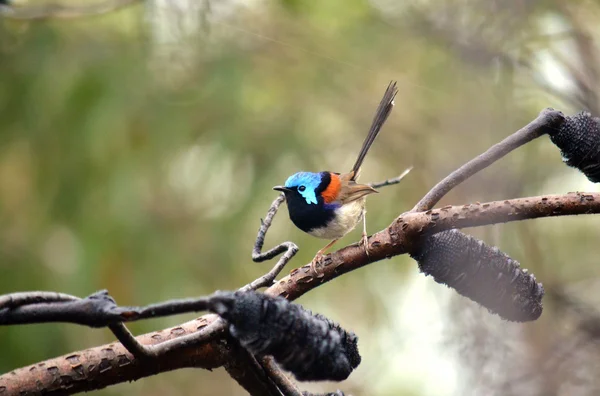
(392, 181)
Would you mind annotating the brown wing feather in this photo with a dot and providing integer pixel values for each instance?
(351, 190)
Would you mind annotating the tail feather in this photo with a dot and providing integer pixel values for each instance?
(383, 111)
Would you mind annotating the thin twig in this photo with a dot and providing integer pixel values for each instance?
(14, 300)
(250, 374)
(392, 181)
(267, 279)
(216, 327)
(286, 386)
(100, 310)
(129, 341)
(257, 255)
(96, 310)
(289, 248)
(548, 118)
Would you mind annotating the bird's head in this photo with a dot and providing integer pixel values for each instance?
(309, 187)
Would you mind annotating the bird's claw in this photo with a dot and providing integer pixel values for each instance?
(364, 242)
(316, 261)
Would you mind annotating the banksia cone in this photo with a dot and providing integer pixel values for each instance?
(482, 273)
(311, 347)
(579, 141)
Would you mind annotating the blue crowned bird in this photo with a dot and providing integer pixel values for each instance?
(328, 205)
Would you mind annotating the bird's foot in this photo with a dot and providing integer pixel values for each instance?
(364, 242)
(319, 258)
(316, 261)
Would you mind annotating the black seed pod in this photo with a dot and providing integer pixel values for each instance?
(349, 340)
(579, 141)
(311, 347)
(482, 273)
(336, 393)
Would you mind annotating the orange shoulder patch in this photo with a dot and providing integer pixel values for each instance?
(332, 191)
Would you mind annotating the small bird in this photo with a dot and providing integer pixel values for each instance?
(328, 205)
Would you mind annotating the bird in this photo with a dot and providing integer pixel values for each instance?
(329, 205)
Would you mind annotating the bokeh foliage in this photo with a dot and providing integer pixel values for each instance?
(131, 166)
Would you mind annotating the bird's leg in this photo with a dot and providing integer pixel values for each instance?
(364, 241)
(319, 256)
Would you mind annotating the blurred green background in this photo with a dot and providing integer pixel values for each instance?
(138, 150)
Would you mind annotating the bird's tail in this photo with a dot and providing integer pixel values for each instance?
(383, 111)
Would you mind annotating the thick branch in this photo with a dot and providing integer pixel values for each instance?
(101, 366)
(406, 230)
(548, 118)
(98, 367)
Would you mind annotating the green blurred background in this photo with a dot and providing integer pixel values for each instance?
(138, 150)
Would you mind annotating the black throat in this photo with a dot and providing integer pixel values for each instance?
(307, 216)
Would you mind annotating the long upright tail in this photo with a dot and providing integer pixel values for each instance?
(383, 111)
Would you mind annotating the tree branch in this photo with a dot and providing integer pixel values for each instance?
(15, 300)
(288, 248)
(109, 364)
(400, 236)
(548, 118)
(287, 387)
(250, 374)
(96, 310)
(98, 367)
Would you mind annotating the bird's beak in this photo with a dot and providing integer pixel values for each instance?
(281, 188)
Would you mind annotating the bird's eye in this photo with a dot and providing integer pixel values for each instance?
(301, 188)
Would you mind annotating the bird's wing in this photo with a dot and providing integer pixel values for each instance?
(351, 191)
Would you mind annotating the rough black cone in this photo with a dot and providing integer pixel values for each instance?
(482, 273)
(311, 347)
(579, 141)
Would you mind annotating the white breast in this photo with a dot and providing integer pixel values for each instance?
(345, 220)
